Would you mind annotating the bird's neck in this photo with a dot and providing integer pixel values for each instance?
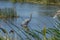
(30, 17)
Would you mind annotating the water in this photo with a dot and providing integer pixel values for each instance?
(41, 15)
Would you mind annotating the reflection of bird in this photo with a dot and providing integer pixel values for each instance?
(26, 21)
(57, 14)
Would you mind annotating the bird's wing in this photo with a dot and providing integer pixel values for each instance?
(25, 21)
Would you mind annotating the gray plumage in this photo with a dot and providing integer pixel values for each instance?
(26, 21)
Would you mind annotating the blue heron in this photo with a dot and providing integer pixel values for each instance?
(26, 21)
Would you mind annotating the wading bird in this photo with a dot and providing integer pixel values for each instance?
(57, 14)
(26, 21)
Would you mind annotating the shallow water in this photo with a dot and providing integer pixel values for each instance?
(41, 15)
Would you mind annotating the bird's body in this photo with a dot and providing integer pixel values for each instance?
(26, 21)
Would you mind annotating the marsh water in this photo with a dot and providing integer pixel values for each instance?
(42, 15)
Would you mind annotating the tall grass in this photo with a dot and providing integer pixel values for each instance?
(44, 34)
(54, 34)
(7, 12)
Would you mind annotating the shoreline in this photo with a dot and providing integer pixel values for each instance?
(44, 3)
(36, 2)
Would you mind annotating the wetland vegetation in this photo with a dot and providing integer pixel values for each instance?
(56, 2)
(12, 30)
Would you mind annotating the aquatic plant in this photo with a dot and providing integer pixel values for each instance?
(1, 38)
(36, 34)
(5, 32)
